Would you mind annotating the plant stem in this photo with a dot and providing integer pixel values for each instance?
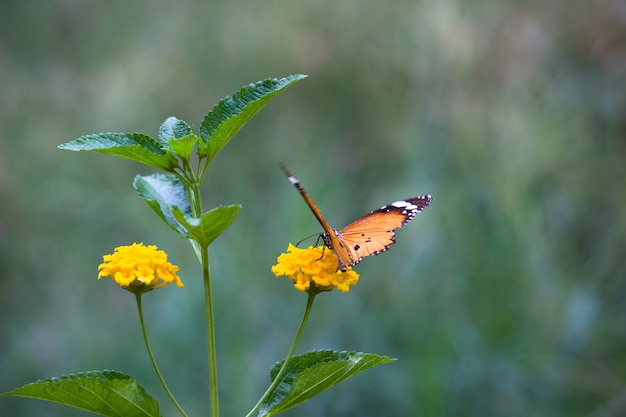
(196, 209)
(154, 365)
(202, 252)
(283, 369)
(210, 323)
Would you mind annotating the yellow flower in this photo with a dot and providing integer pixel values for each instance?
(314, 269)
(139, 268)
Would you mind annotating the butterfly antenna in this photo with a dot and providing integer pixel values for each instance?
(296, 183)
(309, 237)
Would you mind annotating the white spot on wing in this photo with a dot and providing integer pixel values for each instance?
(404, 205)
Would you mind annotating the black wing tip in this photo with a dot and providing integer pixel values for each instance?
(420, 202)
(284, 168)
(421, 198)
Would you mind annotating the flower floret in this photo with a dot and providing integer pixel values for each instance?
(139, 268)
(314, 269)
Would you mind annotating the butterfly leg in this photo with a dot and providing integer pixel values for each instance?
(326, 239)
(323, 250)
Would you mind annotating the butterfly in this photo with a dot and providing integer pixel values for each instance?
(368, 235)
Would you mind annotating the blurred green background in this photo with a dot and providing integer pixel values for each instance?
(505, 298)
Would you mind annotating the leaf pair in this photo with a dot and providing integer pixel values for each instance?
(112, 393)
(168, 197)
(176, 136)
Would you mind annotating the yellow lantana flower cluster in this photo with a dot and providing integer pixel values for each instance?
(139, 268)
(314, 269)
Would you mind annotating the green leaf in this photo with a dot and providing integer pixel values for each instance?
(183, 146)
(308, 375)
(177, 137)
(108, 393)
(210, 225)
(173, 128)
(231, 113)
(135, 146)
(162, 192)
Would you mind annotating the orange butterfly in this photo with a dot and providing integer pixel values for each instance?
(369, 235)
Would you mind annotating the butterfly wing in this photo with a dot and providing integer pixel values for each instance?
(375, 232)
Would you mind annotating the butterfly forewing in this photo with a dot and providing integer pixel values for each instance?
(374, 232)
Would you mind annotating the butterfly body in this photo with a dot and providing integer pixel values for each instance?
(368, 235)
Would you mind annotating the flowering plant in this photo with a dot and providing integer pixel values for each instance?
(175, 197)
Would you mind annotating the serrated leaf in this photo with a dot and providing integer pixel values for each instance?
(134, 146)
(162, 192)
(108, 393)
(173, 128)
(310, 374)
(177, 137)
(183, 146)
(231, 113)
(210, 225)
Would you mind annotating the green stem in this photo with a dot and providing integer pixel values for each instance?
(283, 369)
(202, 252)
(154, 365)
(196, 208)
(210, 322)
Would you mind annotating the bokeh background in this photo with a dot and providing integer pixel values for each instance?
(506, 297)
